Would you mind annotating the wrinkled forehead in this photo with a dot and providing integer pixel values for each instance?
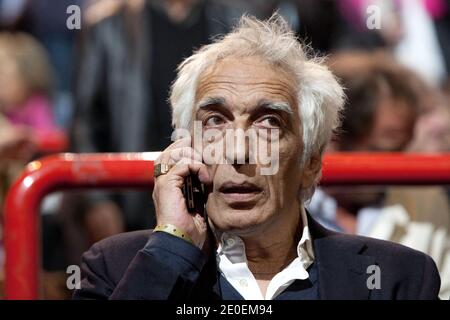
(245, 81)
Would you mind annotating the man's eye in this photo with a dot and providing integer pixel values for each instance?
(214, 121)
(270, 122)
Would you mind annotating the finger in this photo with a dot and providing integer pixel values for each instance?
(200, 225)
(164, 157)
(186, 166)
(186, 152)
(200, 222)
(184, 142)
(175, 156)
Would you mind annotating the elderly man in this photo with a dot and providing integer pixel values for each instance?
(256, 241)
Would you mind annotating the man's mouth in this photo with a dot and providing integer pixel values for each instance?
(239, 193)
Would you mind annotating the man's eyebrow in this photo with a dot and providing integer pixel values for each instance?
(266, 104)
(210, 101)
(277, 106)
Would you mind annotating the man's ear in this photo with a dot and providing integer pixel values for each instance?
(312, 170)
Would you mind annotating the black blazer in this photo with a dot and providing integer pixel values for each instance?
(146, 265)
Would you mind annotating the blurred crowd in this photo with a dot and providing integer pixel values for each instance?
(106, 86)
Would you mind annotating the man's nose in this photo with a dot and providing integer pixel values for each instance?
(237, 146)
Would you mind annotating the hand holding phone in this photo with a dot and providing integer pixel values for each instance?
(178, 194)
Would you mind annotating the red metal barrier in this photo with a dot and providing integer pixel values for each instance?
(68, 171)
(57, 172)
(385, 169)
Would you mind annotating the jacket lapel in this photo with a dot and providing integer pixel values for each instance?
(341, 264)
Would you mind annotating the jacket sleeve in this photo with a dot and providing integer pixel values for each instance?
(431, 281)
(167, 268)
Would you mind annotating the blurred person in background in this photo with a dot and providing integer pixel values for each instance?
(26, 88)
(128, 54)
(384, 100)
(46, 20)
(417, 32)
(381, 109)
(385, 103)
(25, 83)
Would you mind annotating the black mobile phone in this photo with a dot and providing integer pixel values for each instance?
(194, 193)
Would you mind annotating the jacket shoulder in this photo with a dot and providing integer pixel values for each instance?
(405, 272)
(363, 245)
(383, 248)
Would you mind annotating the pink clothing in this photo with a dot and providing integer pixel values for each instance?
(36, 113)
(436, 8)
(354, 10)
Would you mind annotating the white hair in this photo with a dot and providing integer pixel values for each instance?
(319, 95)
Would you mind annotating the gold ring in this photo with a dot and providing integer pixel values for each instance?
(160, 169)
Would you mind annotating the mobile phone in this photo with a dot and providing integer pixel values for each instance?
(194, 193)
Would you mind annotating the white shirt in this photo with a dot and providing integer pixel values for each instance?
(232, 263)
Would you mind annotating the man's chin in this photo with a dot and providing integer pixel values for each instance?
(238, 221)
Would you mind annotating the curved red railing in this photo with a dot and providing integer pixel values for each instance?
(41, 177)
(135, 170)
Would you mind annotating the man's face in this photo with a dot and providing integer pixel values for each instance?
(240, 93)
